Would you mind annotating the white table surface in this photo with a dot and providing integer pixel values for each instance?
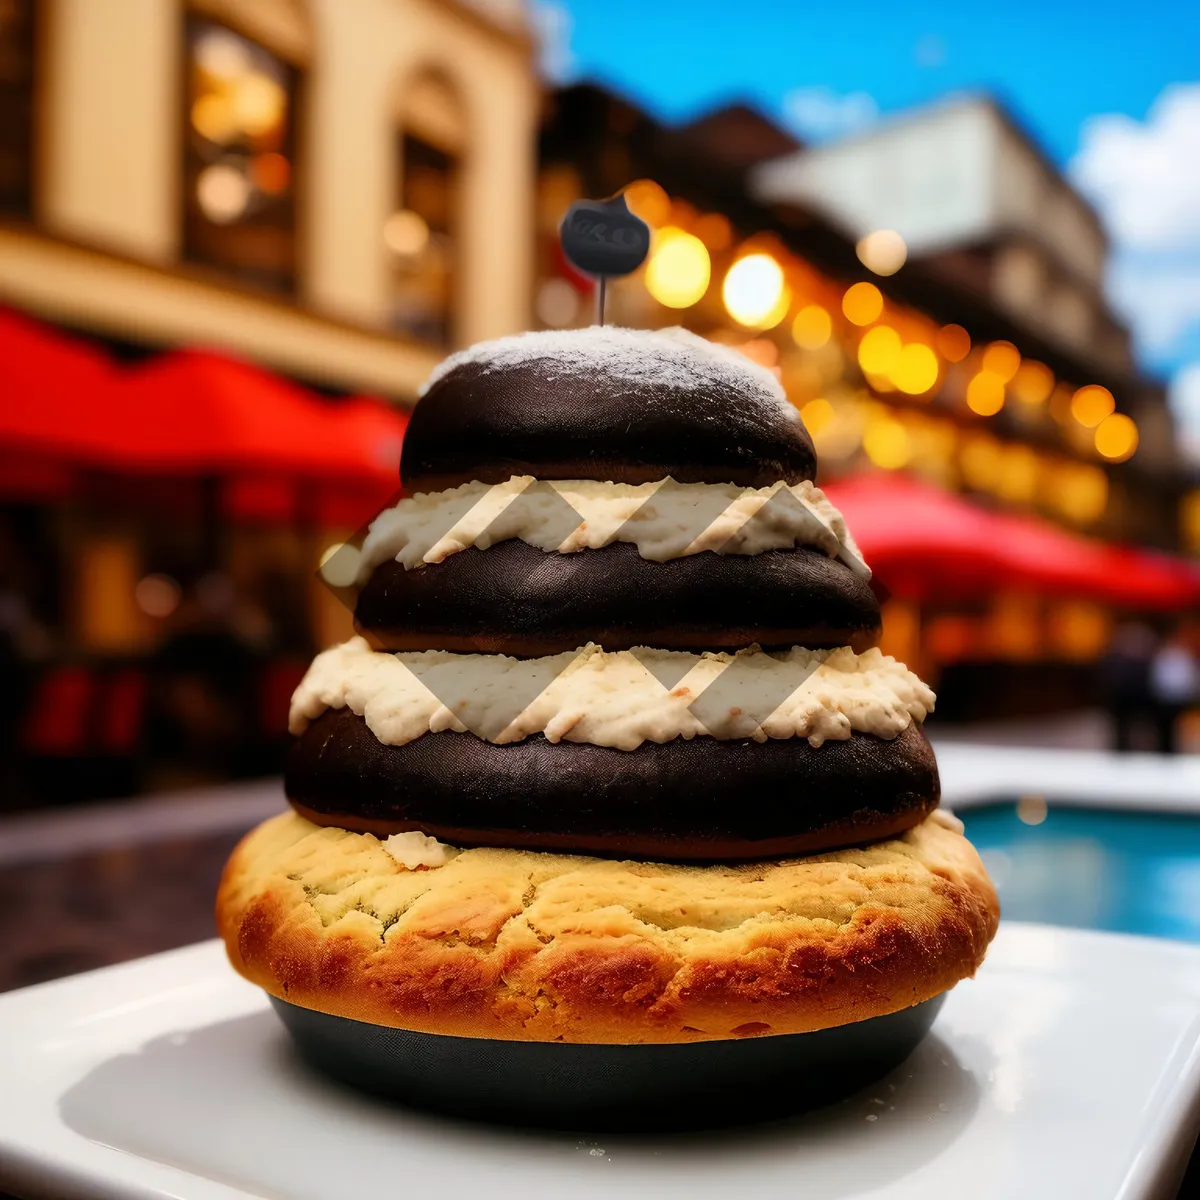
(973, 773)
(1069, 1068)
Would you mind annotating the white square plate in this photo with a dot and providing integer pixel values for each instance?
(1070, 1067)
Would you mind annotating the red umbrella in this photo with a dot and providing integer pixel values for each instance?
(925, 543)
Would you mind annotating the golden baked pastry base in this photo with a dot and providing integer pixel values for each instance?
(523, 945)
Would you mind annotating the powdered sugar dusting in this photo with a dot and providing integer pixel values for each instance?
(672, 356)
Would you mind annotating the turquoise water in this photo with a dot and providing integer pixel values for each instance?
(1126, 871)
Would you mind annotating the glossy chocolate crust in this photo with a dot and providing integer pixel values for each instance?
(516, 599)
(540, 418)
(686, 800)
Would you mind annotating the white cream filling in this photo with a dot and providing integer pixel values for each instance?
(413, 850)
(615, 699)
(664, 520)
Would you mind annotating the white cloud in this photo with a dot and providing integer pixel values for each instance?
(1144, 178)
(819, 114)
(1159, 295)
(1185, 404)
(553, 24)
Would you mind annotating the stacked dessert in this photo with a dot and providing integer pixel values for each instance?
(615, 758)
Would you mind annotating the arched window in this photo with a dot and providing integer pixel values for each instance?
(16, 106)
(421, 232)
(240, 143)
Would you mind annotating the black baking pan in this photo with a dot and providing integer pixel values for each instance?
(587, 1087)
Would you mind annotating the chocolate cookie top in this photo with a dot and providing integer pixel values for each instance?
(516, 599)
(604, 403)
(684, 799)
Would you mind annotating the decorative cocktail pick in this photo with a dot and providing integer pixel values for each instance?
(603, 238)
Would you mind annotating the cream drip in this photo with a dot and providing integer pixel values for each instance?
(665, 520)
(619, 699)
(413, 850)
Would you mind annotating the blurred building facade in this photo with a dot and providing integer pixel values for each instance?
(956, 369)
(974, 197)
(980, 207)
(340, 191)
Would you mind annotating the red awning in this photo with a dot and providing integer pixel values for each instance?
(925, 543)
(194, 413)
(200, 411)
(55, 392)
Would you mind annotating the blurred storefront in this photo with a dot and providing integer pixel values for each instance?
(933, 374)
(337, 191)
(328, 196)
(235, 238)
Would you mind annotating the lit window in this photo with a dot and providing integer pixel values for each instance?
(239, 205)
(16, 105)
(419, 234)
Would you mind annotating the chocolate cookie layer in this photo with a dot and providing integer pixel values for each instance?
(557, 419)
(516, 599)
(691, 800)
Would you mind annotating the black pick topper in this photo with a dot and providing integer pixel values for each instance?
(603, 238)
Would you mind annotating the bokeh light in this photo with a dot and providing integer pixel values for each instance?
(1091, 404)
(841, 436)
(1079, 492)
(1079, 630)
(862, 303)
(222, 192)
(760, 350)
(678, 272)
(1033, 382)
(754, 290)
(916, 369)
(271, 172)
(1032, 810)
(816, 415)
(157, 596)
(1019, 474)
(953, 343)
(714, 230)
(883, 251)
(1002, 359)
(879, 350)
(985, 394)
(981, 461)
(213, 117)
(648, 200)
(259, 104)
(1116, 437)
(886, 441)
(222, 54)
(406, 233)
(812, 327)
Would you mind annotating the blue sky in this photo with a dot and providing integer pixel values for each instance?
(1092, 82)
(1057, 62)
